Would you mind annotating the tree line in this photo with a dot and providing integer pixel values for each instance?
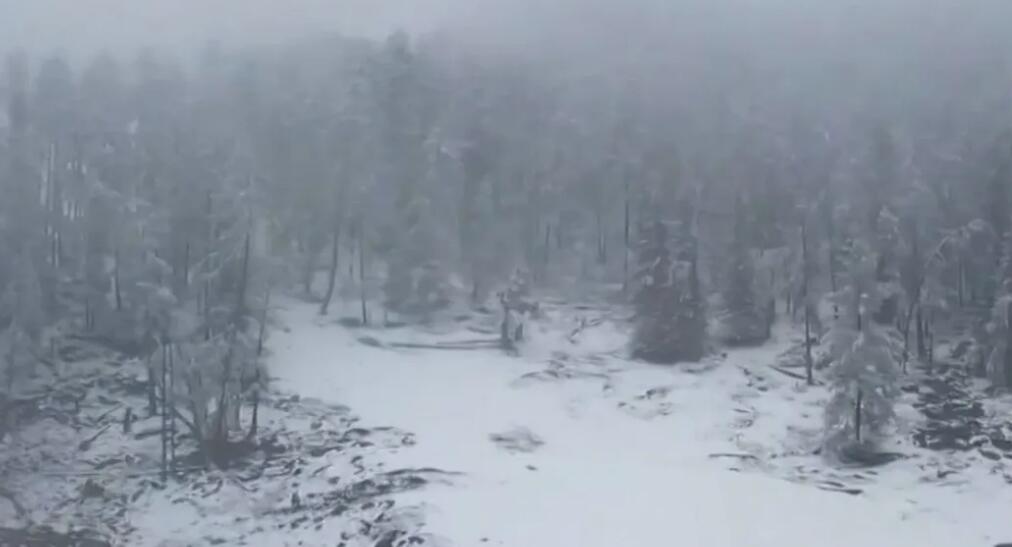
(153, 204)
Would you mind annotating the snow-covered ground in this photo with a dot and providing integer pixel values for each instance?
(570, 443)
(388, 437)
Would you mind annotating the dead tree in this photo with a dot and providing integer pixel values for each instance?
(332, 273)
(263, 324)
(254, 423)
(505, 328)
(165, 414)
(625, 241)
(809, 364)
(240, 305)
(361, 271)
(172, 406)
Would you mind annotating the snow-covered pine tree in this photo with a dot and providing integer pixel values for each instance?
(417, 282)
(745, 319)
(999, 361)
(669, 322)
(22, 314)
(655, 338)
(864, 372)
(691, 313)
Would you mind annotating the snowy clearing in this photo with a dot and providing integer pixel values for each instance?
(627, 453)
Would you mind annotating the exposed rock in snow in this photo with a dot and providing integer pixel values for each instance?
(519, 439)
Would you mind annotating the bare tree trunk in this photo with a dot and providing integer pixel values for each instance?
(930, 339)
(921, 347)
(221, 436)
(152, 402)
(263, 324)
(809, 364)
(165, 415)
(961, 282)
(186, 267)
(209, 266)
(115, 280)
(54, 205)
(625, 241)
(172, 406)
(602, 256)
(1008, 348)
(908, 321)
(505, 328)
(548, 250)
(207, 309)
(831, 239)
(240, 305)
(860, 395)
(256, 379)
(332, 274)
(361, 272)
(254, 424)
(307, 273)
(351, 259)
(857, 414)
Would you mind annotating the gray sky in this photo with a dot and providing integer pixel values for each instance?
(920, 34)
(79, 26)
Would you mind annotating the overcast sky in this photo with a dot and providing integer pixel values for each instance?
(929, 32)
(76, 26)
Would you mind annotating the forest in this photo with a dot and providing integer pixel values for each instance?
(715, 190)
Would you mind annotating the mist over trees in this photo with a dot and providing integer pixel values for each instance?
(719, 180)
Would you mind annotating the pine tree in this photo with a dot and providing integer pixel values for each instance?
(22, 312)
(864, 374)
(745, 321)
(670, 323)
(999, 361)
(691, 314)
(416, 282)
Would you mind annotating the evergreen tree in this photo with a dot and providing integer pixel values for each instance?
(745, 320)
(863, 374)
(416, 280)
(22, 319)
(999, 363)
(691, 314)
(670, 322)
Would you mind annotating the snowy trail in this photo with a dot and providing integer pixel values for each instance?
(607, 475)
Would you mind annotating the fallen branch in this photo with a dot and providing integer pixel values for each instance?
(86, 444)
(584, 325)
(109, 473)
(106, 414)
(842, 490)
(794, 375)
(52, 538)
(730, 455)
(455, 346)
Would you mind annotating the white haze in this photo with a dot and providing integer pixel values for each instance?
(814, 46)
(87, 26)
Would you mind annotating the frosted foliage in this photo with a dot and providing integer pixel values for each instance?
(864, 373)
(670, 322)
(20, 339)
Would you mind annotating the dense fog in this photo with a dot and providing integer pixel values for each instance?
(829, 179)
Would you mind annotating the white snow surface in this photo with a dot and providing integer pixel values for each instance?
(628, 449)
